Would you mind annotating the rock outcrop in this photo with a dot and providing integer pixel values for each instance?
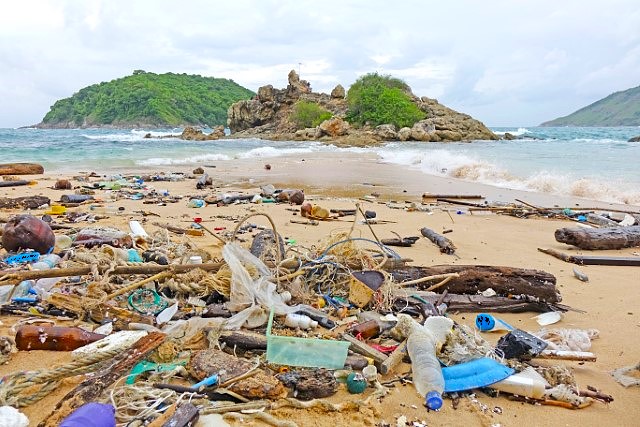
(635, 139)
(192, 134)
(268, 115)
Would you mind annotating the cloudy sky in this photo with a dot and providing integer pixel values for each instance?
(507, 63)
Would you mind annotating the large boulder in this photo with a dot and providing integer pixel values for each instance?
(296, 86)
(404, 134)
(248, 114)
(192, 134)
(333, 127)
(461, 126)
(635, 139)
(266, 94)
(424, 130)
(338, 92)
(386, 132)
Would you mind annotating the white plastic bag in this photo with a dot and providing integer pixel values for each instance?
(252, 299)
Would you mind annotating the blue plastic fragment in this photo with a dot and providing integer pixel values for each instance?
(23, 258)
(207, 382)
(474, 374)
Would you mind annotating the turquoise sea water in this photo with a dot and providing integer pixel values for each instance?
(596, 163)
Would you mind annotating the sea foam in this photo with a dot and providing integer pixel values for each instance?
(466, 167)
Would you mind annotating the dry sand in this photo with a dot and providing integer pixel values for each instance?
(610, 300)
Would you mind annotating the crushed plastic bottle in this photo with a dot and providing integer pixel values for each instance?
(46, 262)
(423, 342)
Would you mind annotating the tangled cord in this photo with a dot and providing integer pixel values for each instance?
(14, 384)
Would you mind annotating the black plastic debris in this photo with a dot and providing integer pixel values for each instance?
(521, 345)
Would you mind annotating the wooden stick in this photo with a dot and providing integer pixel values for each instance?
(394, 358)
(582, 356)
(442, 283)
(593, 259)
(446, 246)
(459, 202)
(451, 196)
(137, 284)
(365, 350)
(8, 275)
(427, 278)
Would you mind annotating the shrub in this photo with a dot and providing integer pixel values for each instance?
(378, 100)
(307, 114)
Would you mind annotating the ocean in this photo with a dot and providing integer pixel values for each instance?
(594, 163)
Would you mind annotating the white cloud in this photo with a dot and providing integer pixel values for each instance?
(508, 63)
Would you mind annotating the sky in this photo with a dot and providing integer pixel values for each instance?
(506, 63)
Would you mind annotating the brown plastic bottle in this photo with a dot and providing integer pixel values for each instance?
(366, 330)
(56, 338)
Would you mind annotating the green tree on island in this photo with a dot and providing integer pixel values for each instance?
(149, 99)
(376, 100)
(308, 114)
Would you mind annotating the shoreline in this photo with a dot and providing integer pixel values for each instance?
(351, 172)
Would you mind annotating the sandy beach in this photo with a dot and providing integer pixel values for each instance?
(609, 301)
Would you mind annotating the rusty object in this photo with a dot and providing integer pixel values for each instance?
(63, 184)
(27, 232)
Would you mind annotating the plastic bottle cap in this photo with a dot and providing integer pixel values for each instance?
(196, 259)
(485, 322)
(433, 400)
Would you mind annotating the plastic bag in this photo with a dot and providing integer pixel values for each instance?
(568, 339)
(257, 296)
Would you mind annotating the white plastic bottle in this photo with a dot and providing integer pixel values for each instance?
(422, 344)
(526, 383)
(46, 262)
(294, 320)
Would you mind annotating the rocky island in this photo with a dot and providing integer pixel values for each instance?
(275, 114)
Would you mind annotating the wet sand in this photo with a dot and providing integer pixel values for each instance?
(610, 301)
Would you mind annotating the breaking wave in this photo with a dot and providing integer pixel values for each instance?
(520, 131)
(166, 161)
(133, 135)
(469, 168)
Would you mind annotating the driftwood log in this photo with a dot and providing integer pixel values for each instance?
(446, 246)
(28, 202)
(600, 238)
(473, 279)
(593, 260)
(91, 389)
(495, 304)
(21, 169)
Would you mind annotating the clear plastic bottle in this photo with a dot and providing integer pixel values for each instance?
(422, 343)
(46, 262)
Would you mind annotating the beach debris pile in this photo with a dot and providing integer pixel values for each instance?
(171, 331)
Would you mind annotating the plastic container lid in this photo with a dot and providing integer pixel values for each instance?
(433, 400)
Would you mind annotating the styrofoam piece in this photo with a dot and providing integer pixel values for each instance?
(548, 318)
(167, 314)
(119, 340)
